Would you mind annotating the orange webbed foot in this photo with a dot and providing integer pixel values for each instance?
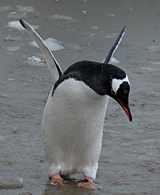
(88, 183)
(57, 179)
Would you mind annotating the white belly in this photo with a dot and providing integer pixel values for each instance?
(72, 128)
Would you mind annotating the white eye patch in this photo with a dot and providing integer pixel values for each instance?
(117, 82)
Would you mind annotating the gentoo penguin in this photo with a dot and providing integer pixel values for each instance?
(73, 118)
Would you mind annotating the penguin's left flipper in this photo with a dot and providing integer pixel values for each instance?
(115, 46)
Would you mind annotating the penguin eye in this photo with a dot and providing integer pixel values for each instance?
(125, 91)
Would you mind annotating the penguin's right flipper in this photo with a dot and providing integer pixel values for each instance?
(52, 63)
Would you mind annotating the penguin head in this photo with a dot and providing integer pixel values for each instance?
(120, 92)
(119, 88)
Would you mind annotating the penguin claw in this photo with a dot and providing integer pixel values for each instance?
(91, 186)
(56, 182)
(86, 185)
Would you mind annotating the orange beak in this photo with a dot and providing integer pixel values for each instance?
(126, 109)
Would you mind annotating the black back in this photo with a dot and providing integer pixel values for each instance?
(98, 76)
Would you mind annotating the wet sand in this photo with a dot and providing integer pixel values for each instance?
(80, 30)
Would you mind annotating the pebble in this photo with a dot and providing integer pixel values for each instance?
(25, 193)
(10, 183)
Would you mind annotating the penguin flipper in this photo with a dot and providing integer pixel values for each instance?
(52, 63)
(115, 46)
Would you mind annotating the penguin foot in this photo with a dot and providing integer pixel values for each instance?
(88, 183)
(57, 179)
